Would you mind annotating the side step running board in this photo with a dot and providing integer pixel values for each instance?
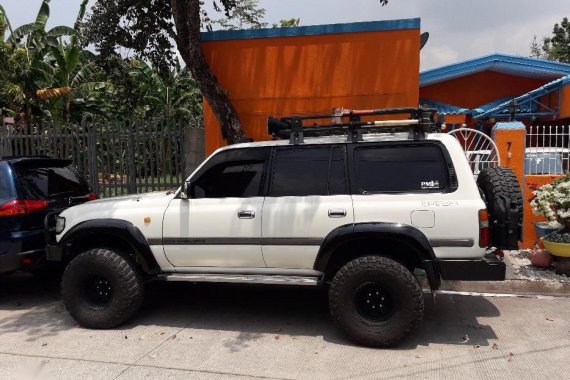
(243, 279)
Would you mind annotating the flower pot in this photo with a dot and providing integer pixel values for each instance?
(544, 228)
(557, 249)
(540, 258)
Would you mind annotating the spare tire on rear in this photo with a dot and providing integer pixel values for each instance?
(503, 196)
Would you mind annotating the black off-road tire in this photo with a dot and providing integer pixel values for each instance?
(500, 182)
(398, 287)
(102, 306)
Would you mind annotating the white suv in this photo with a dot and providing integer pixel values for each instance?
(357, 210)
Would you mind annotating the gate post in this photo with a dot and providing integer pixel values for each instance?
(193, 149)
(131, 157)
(92, 158)
(510, 138)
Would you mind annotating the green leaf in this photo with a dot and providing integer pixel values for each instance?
(72, 58)
(20, 32)
(42, 17)
(83, 75)
(5, 16)
(61, 30)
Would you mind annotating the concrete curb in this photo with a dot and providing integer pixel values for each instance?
(521, 287)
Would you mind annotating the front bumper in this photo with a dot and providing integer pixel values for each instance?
(490, 268)
(54, 252)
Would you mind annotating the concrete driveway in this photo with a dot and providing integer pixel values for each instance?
(225, 332)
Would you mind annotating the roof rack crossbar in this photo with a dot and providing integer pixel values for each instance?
(420, 122)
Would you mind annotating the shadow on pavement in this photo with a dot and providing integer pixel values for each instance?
(34, 308)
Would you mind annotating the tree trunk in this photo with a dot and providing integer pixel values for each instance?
(186, 14)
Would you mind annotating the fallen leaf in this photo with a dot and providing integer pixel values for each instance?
(161, 333)
(173, 336)
(510, 356)
(44, 344)
(276, 337)
(495, 346)
(476, 346)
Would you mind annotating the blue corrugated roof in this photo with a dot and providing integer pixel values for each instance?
(528, 97)
(510, 64)
(525, 103)
(355, 27)
(444, 108)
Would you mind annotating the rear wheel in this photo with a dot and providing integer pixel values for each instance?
(102, 289)
(376, 301)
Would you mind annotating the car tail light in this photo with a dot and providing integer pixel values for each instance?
(483, 228)
(92, 197)
(21, 207)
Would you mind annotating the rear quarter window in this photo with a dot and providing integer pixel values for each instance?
(41, 181)
(401, 169)
(7, 192)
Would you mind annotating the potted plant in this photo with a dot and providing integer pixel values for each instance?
(552, 201)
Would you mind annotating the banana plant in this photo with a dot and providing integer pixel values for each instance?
(173, 98)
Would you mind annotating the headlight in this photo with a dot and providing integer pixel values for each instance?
(59, 224)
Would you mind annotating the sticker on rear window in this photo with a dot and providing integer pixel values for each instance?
(433, 184)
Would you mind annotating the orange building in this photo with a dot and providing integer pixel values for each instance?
(312, 69)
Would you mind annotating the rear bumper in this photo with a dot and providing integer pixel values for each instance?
(487, 269)
(15, 246)
(14, 261)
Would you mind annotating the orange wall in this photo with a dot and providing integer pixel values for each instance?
(309, 74)
(529, 217)
(565, 102)
(477, 89)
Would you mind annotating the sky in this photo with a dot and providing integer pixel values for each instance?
(459, 29)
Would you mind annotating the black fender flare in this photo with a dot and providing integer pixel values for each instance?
(120, 228)
(402, 233)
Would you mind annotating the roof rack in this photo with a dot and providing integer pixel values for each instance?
(349, 122)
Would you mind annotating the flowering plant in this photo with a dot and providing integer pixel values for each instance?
(553, 200)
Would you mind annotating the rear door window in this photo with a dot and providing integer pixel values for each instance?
(309, 171)
(398, 169)
(48, 180)
(6, 184)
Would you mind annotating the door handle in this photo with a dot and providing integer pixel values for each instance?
(337, 213)
(246, 214)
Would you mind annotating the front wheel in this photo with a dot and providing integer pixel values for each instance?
(376, 301)
(101, 289)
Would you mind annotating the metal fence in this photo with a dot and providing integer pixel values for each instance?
(547, 150)
(115, 158)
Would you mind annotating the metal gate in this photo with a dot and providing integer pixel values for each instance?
(115, 158)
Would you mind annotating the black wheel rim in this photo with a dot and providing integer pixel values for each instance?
(97, 291)
(373, 302)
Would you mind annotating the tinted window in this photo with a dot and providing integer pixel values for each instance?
(230, 180)
(6, 184)
(401, 169)
(308, 171)
(40, 181)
